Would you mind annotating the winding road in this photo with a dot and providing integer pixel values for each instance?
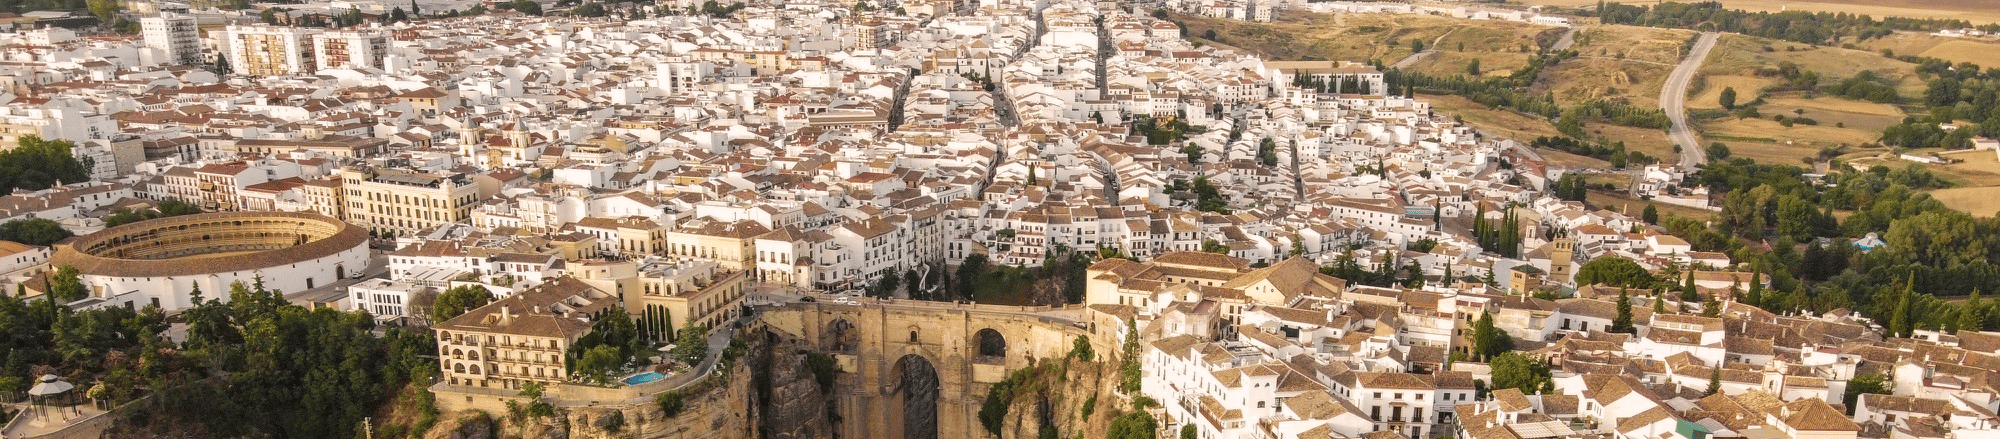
(1673, 99)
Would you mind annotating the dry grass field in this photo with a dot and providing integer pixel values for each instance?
(1450, 62)
(1643, 44)
(1836, 112)
(1767, 141)
(1361, 37)
(1975, 11)
(1624, 63)
(1979, 169)
(1738, 54)
(1491, 121)
(1584, 79)
(1983, 53)
(1980, 201)
(1650, 141)
(1710, 95)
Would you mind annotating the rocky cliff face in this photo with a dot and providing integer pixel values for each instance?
(792, 401)
(1056, 394)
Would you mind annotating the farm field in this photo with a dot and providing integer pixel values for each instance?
(1710, 94)
(1737, 54)
(1363, 37)
(1975, 11)
(1979, 169)
(1831, 111)
(1976, 52)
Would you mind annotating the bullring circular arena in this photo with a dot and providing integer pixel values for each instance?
(162, 261)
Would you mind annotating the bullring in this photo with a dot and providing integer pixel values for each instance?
(163, 261)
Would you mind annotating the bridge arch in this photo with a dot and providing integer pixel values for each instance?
(840, 336)
(916, 395)
(989, 346)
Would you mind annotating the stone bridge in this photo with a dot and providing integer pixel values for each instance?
(921, 371)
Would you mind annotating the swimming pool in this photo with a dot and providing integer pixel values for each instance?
(644, 378)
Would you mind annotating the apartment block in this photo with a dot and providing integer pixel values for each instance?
(403, 201)
(349, 49)
(265, 50)
(175, 34)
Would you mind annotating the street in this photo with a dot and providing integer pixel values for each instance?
(1673, 99)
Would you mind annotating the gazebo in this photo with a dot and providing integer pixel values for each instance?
(47, 388)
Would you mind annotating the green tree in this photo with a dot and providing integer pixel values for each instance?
(1488, 340)
(37, 164)
(1714, 381)
(888, 285)
(1863, 383)
(1188, 432)
(103, 9)
(1623, 322)
(37, 231)
(529, 7)
(1512, 370)
(67, 284)
(1134, 425)
(1213, 246)
(1659, 305)
(1651, 215)
(458, 300)
(1081, 350)
(1972, 314)
(691, 345)
(1472, 67)
(1717, 151)
(1710, 307)
(1614, 271)
(1728, 98)
(598, 362)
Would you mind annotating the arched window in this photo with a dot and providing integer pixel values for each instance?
(475, 370)
(458, 368)
(913, 336)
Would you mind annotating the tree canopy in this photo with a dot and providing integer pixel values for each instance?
(37, 231)
(1512, 370)
(1614, 271)
(40, 164)
(458, 300)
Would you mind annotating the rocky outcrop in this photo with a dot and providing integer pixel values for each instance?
(462, 425)
(792, 401)
(1057, 393)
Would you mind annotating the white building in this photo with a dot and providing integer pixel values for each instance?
(264, 50)
(175, 34)
(349, 49)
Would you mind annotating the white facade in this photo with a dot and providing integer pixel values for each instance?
(175, 34)
(263, 50)
(349, 49)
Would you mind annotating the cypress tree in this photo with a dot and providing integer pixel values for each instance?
(1714, 381)
(1623, 323)
(1756, 295)
(1971, 315)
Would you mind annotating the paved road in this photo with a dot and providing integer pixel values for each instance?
(1673, 99)
(1568, 39)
